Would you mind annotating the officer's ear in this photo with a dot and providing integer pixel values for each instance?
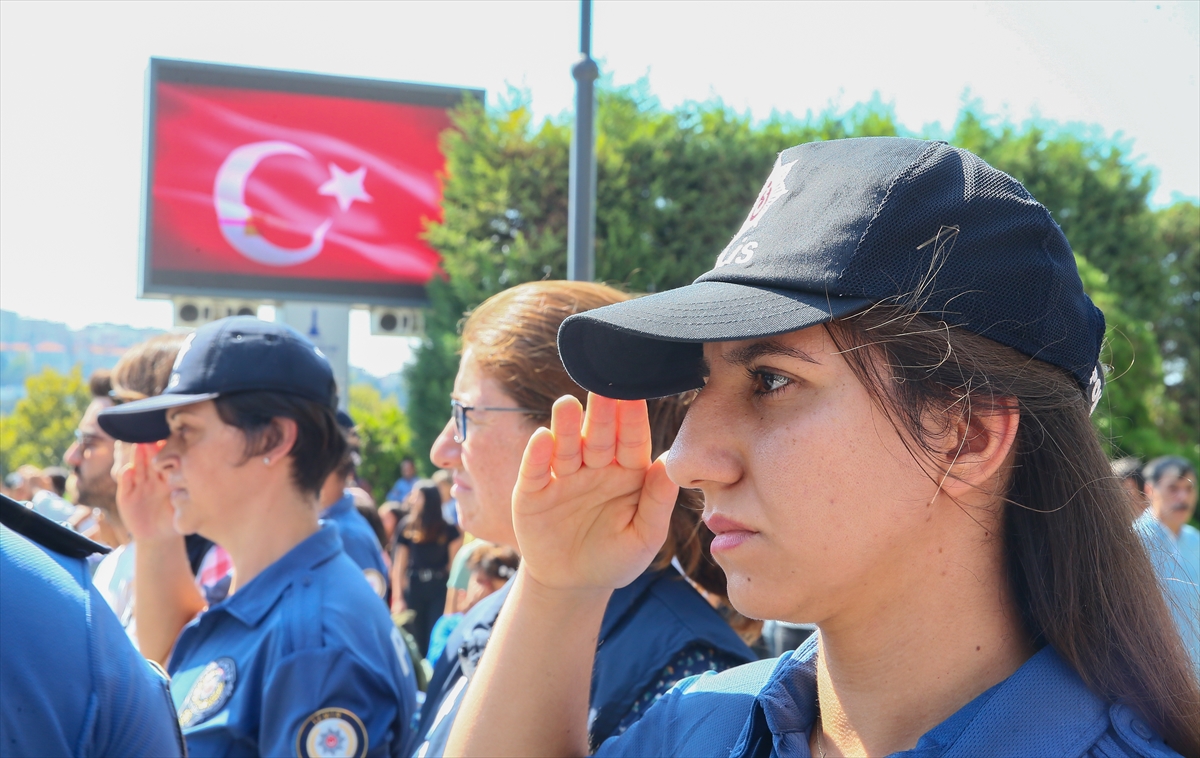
(273, 442)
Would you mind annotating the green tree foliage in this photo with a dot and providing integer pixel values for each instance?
(386, 439)
(42, 425)
(1178, 323)
(673, 186)
(1139, 271)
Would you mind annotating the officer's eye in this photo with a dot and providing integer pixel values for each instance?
(767, 382)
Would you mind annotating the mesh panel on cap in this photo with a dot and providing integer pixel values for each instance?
(972, 247)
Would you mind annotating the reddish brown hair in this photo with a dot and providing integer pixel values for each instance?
(145, 368)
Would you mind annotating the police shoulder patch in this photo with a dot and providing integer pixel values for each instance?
(209, 693)
(376, 580)
(332, 733)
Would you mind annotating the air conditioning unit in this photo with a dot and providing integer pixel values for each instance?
(398, 322)
(198, 311)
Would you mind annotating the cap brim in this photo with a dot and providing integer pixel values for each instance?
(145, 420)
(652, 346)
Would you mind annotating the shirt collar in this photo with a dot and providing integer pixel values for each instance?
(250, 604)
(985, 726)
(340, 508)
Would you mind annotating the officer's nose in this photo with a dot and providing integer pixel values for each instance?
(446, 452)
(74, 456)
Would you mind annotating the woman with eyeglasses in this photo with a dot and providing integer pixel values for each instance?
(657, 629)
(300, 657)
(896, 363)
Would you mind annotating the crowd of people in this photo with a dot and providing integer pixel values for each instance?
(824, 501)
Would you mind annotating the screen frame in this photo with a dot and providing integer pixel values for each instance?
(166, 284)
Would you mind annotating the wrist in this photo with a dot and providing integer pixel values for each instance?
(156, 541)
(564, 598)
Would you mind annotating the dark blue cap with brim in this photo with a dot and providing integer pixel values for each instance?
(838, 226)
(232, 355)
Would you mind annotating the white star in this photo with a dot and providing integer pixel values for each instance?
(346, 186)
(774, 189)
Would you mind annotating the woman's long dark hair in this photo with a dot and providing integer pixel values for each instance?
(425, 524)
(1079, 575)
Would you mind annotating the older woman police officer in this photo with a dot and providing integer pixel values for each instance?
(301, 657)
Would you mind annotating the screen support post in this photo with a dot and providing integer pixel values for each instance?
(581, 206)
(326, 325)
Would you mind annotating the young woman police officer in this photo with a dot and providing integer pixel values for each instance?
(897, 362)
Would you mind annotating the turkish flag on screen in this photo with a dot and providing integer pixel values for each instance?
(298, 185)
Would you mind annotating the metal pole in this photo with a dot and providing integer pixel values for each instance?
(581, 213)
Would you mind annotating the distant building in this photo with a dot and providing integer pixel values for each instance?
(27, 346)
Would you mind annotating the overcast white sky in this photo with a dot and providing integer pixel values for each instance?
(72, 79)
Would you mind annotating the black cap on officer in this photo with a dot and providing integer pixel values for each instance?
(236, 354)
(838, 226)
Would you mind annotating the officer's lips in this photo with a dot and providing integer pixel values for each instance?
(458, 486)
(728, 533)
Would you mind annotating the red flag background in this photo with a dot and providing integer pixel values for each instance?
(332, 188)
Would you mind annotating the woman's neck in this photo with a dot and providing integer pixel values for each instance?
(937, 636)
(268, 530)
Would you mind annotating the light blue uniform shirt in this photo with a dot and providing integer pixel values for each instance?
(302, 660)
(768, 709)
(359, 542)
(1177, 562)
(70, 681)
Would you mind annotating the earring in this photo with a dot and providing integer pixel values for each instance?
(266, 460)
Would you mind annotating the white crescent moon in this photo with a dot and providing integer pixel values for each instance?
(229, 197)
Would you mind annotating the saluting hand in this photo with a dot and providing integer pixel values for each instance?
(590, 508)
(143, 497)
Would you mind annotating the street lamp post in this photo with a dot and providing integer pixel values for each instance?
(581, 213)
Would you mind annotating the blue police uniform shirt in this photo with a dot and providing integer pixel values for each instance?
(302, 660)
(359, 542)
(768, 709)
(71, 681)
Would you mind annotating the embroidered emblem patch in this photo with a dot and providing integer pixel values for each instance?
(774, 189)
(209, 693)
(376, 580)
(332, 733)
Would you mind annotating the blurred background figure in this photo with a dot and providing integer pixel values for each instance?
(404, 485)
(1129, 471)
(91, 460)
(366, 506)
(390, 516)
(491, 567)
(45, 496)
(142, 372)
(425, 546)
(487, 567)
(359, 538)
(445, 482)
(17, 487)
(56, 478)
(460, 575)
(1173, 543)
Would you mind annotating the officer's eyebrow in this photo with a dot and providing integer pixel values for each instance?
(748, 354)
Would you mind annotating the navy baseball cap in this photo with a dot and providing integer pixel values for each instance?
(838, 226)
(236, 354)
